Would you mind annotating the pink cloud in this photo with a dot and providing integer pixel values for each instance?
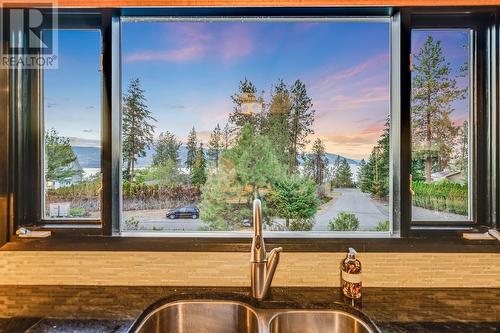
(235, 44)
(188, 53)
(194, 41)
(333, 78)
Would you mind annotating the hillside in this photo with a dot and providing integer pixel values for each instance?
(89, 157)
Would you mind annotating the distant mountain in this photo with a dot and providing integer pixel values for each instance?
(331, 157)
(90, 157)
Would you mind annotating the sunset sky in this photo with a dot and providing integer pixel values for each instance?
(189, 70)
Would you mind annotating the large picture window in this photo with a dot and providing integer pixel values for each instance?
(215, 113)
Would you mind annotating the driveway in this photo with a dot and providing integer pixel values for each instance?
(351, 200)
(155, 218)
(172, 225)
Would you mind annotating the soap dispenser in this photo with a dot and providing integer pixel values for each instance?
(350, 275)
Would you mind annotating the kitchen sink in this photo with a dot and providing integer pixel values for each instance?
(222, 316)
(199, 317)
(317, 322)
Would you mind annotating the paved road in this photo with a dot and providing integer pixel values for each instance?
(422, 214)
(351, 200)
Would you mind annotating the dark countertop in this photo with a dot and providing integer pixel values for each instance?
(104, 309)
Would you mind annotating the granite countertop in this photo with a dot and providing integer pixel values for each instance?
(104, 309)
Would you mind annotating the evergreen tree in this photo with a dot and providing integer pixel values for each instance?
(463, 150)
(215, 146)
(255, 160)
(226, 137)
(276, 123)
(59, 157)
(166, 148)
(137, 127)
(316, 162)
(361, 174)
(251, 164)
(344, 174)
(293, 197)
(191, 146)
(375, 174)
(217, 210)
(433, 91)
(238, 118)
(199, 172)
(300, 122)
(167, 174)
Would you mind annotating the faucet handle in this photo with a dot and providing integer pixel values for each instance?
(274, 252)
(276, 249)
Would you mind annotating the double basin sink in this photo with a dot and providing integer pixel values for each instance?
(222, 316)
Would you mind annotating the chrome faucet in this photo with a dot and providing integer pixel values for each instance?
(262, 266)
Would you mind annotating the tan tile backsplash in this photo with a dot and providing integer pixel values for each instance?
(414, 270)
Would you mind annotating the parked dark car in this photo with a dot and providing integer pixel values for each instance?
(186, 212)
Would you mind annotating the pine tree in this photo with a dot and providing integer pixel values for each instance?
(433, 91)
(463, 153)
(199, 172)
(293, 197)
(276, 122)
(300, 123)
(191, 146)
(215, 146)
(238, 118)
(335, 171)
(344, 174)
(375, 173)
(226, 137)
(59, 156)
(137, 127)
(316, 162)
(216, 209)
(255, 160)
(361, 174)
(166, 148)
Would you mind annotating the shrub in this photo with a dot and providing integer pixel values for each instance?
(344, 222)
(445, 196)
(302, 224)
(132, 224)
(382, 226)
(78, 212)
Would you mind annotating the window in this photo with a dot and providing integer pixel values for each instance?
(441, 113)
(190, 118)
(217, 112)
(72, 128)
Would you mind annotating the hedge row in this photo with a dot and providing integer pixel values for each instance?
(444, 196)
(135, 196)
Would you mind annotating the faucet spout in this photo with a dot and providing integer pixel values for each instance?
(262, 266)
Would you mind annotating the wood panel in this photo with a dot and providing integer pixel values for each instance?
(263, 3)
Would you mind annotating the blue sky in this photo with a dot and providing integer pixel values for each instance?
(189, 70)
(73, 91)
(455, 46)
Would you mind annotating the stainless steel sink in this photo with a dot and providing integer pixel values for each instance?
(317, 322)
(200, 317)
(217, 316)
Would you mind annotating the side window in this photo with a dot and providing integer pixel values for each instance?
(441, 114)
(71, 102)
